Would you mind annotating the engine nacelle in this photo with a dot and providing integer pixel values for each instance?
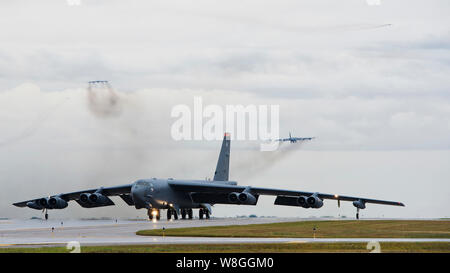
(302, 202)
(34, 205)
(233, 197)
(43, 202)
(247, 198)
(242, 198)
(314, 202)
(84, 197)
(97, 198)
(57, 202)
(359, 204)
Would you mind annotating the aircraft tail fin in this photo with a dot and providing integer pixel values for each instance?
(223, 164)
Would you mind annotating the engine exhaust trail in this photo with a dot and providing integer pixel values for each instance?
(258, 162)
(103, 101)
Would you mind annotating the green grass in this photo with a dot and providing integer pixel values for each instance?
(402, 247)
(324, 229)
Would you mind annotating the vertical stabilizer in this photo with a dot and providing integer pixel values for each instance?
(223, 164)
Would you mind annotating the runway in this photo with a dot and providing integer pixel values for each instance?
(32, 233)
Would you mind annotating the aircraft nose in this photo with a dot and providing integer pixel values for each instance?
(138, 194)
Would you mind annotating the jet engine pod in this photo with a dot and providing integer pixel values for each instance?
(233, 197)
(34, 205)
(84, 197)
(314, 202)
(247, 198)
(57, 202)
(98, 198)
(302, 201)
(359, 204)
(94, 200)
(43, 202)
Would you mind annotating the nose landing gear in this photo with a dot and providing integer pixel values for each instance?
(153, 213)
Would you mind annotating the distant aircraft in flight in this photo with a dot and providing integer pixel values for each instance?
(294, 139)
(182, 196)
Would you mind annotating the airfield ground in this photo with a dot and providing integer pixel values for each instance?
(319, 229)
(388, 247)
(226, 235)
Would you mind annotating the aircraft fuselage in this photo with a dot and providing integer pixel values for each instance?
(156, 193)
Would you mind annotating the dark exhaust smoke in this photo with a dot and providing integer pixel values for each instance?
(103, 101)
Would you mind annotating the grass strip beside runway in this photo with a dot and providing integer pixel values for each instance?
(323, 229)
(433, 247)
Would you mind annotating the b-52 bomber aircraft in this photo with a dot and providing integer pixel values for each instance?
(294, 139)
(182, 196)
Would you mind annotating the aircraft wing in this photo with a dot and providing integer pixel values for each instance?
(109, 191)
(302, 138)
(213, 188)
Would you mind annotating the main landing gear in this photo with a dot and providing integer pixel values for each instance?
(46, 213)
(171, 212)
(202, 212)
(186, 212)
(153, 213)
(357, 213)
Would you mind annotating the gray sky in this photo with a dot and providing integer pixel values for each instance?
(372, 82)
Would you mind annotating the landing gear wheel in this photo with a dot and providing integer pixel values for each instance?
(46, 213)
(150, 214)
(153, 213)
(190, 214)
(183, 214)
(200, 214)
(175, 214)
(169, 214)
(207, 214)
(357, 216)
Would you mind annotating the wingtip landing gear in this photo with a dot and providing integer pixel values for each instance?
(46, 214)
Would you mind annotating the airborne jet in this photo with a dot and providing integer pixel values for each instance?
(182, 196)
(294, 139)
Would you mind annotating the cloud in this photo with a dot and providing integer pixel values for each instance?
(281, 49)
(52, 142)
(334, 72)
